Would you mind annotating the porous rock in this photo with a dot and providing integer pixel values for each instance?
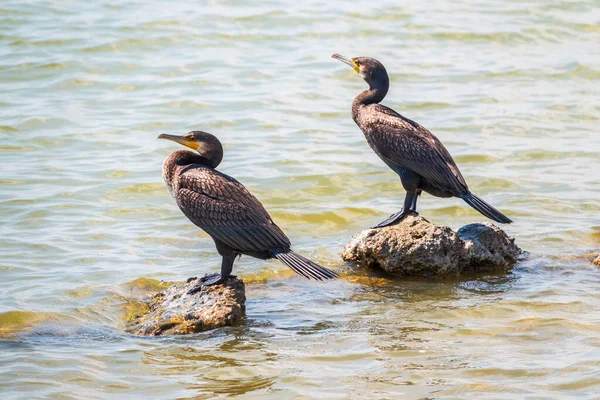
(416, 246)
(175, 312)
(487, 248)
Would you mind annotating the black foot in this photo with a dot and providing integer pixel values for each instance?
(208, 280)
(394, 218)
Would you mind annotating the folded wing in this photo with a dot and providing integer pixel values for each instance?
(407, 144)
(227, 211)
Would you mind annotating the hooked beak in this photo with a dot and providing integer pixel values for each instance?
(180, 139)
(348, 61)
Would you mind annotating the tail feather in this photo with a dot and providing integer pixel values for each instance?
(485, 208)
(303, 266)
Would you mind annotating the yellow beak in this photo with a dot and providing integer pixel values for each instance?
(180, 139)
(348, 61)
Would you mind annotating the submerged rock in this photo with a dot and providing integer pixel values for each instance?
(174, 312)
(415, 246)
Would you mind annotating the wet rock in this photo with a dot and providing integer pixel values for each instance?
(174, 312)
(596, 261)
(487, 248)
(415, 246)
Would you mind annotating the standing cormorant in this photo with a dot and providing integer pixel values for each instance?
(410, 150)
(226, 210)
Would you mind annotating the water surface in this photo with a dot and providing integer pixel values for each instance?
(88, 225)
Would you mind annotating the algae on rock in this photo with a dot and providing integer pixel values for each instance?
(175, 312)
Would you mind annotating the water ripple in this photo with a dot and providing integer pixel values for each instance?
(89, 228)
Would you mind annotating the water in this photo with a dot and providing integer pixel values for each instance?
(88, 226)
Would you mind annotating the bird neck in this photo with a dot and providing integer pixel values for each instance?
(378, 88)
(182, 158)
(185, 157)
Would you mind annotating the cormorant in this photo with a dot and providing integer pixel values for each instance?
(226, 210)
(410, 150)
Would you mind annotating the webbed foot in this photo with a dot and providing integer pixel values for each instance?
(394, 218)
(208, 280)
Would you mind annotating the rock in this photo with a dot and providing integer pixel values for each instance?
(174, 312)
(596, 261)
(415, 246)
(487, 247)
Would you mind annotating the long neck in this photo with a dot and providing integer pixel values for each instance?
(184, 157)
(378, 88)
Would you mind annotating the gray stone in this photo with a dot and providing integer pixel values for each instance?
(174, 312)
(415, 246)
(487, 247)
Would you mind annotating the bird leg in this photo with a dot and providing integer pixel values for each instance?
(215, 278)
(413, 206)
(410, 201)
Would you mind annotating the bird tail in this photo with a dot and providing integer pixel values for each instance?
(485, 208)
(303, 266)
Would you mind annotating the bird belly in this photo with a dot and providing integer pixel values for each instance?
(227, 251)
(262, 255)
(433, 190)
(410, 179)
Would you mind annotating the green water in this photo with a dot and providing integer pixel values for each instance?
(88, 226)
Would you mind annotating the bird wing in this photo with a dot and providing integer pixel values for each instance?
(405, 143)
(227, 211)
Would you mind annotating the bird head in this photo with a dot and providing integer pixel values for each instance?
(206, 144)
(371, 70)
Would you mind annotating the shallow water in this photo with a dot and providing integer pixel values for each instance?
(88, 225)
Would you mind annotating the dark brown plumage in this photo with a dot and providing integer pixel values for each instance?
(414, 153)
(226, 210)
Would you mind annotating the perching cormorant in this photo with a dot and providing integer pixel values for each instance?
(410, 150)
(226, 210)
